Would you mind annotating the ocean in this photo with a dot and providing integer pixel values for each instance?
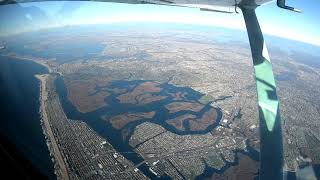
(20, 120)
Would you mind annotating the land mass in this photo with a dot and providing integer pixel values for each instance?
(135, 72)
(120, 121)
(60, 164)
(79, 152)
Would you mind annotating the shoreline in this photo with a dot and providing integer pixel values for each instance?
(35, 60)
(60, 166)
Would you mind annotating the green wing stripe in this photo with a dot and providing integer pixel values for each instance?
(266, 91)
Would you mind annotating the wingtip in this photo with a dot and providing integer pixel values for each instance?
(297, 10)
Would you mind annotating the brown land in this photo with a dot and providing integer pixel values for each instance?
(180, 106)
(246, 169)
(141, 95)
(80, 94)
(178, 121)
(206, 120)
(148, 98)
(118, 90)
(122, 120)
(62, 170)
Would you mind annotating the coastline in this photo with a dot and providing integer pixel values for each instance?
(32, 59)
(60, 166)
(59, 163)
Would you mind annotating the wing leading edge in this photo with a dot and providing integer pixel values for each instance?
(206, 5)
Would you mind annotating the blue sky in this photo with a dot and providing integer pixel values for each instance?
(303, 26)
(273, 20)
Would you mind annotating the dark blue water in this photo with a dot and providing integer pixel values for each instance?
(63, 51)
(20, 122)
(209, 171)
(115, 137)
(102, 127)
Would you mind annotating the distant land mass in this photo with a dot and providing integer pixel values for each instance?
(157, 100)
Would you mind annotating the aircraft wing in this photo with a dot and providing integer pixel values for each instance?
(227, 6)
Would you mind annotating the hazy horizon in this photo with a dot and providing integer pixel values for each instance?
(43, 15)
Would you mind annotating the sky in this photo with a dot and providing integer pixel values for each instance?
(273, 20)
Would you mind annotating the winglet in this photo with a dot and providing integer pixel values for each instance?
(282, 4)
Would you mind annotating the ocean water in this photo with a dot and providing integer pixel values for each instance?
(20, 120)
(104, 128)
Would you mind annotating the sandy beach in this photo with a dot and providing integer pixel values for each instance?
(61, 171)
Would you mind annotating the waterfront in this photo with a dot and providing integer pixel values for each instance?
(20, 120)
(99, 120)
(82, 152)
(115, 136)
(52, 143)
(185, 60)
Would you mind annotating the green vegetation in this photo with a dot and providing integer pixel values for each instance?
(205, 99)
